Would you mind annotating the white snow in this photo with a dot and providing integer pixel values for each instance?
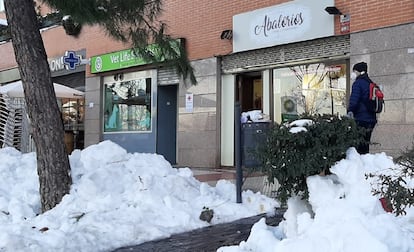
(3, 22)
(342, 215)
(119, 199)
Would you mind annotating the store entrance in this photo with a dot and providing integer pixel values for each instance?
(167, 122)
(73, 110)
(249, 91)
(73, 114)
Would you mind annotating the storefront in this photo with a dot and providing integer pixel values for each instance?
(73, 109)
(286, 63)
(138, 108)
(70, 105)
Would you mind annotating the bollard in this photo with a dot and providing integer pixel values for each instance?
(237, 151)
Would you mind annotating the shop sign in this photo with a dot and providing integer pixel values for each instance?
(189, 102)
(345, 23)
(123, 59)
(115, 60)
(58, 63)
(71, 60)
(294, 21)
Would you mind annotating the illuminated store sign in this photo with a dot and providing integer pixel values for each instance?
(281, 24)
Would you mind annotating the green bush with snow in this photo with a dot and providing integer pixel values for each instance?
(304, 148)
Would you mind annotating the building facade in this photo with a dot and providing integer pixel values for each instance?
(280, 57)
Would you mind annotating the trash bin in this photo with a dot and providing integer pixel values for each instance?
(253, 136)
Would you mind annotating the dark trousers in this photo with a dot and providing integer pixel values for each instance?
(363, 148)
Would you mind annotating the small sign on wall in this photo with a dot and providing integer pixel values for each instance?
(189, 102)
(345, 22)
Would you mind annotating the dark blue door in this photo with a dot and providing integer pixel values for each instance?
(167, 122)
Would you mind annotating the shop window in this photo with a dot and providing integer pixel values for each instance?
(73, 114)
(127, 106)
(309, 89)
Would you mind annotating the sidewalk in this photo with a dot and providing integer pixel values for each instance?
(206, 239)
(211, 176)
(255, 182)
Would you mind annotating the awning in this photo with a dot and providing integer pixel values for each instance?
(15, 89)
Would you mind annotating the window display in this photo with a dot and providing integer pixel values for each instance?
(127, 105)
(73, 113)
(309, 89)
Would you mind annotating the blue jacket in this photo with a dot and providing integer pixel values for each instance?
(359, 99)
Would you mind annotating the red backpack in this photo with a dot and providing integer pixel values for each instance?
(376, 98)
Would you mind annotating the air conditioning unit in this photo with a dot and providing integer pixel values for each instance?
(289, 105)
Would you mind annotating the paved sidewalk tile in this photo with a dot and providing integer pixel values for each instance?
(206, 239)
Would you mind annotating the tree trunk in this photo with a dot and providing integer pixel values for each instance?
(52, 160)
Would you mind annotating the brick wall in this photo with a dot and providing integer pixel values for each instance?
(56, 42)
(371, 14)
(201, 22)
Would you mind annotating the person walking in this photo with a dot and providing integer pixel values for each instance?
(358, 104)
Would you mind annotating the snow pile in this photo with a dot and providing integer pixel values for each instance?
(117, 199)
(342, 215)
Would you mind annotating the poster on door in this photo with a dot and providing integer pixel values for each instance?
(189, 104)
